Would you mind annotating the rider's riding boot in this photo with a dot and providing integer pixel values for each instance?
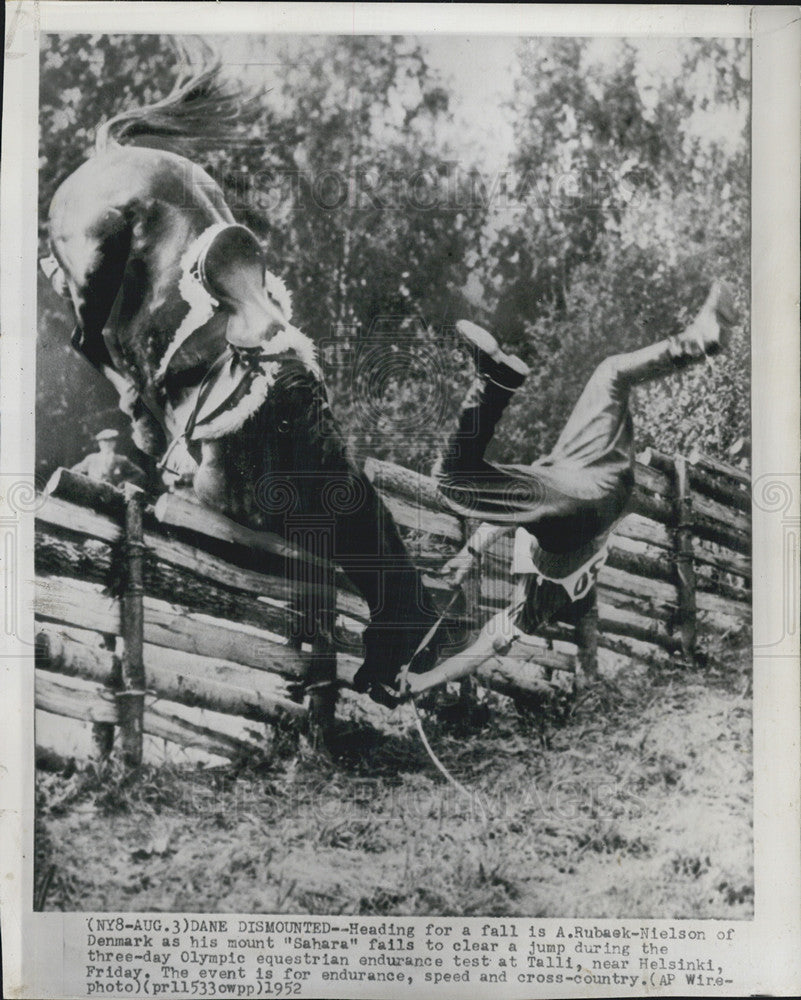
(498, 375)
(507, 370)
(707, 335)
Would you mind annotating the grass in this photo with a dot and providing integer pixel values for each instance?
(638, 804)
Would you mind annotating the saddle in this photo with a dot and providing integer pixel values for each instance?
(223, 273)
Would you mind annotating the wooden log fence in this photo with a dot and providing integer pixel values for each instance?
(142, 609)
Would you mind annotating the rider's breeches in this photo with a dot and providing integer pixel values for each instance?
(581, 488)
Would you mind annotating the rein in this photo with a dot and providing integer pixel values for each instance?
(418, 722)
(250, 359)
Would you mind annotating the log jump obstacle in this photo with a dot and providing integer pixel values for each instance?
(143, 608)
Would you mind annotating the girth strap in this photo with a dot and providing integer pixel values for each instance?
(250, 360)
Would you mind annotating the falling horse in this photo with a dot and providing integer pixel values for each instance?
(175, 306)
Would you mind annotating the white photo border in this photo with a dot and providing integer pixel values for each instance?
(770, 963)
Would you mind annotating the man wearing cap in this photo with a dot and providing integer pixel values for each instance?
(106, 466)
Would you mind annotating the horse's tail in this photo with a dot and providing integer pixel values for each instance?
(201, 106)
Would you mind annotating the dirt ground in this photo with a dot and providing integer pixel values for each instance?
(639, 804)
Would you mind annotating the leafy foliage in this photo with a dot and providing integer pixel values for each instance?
(625, 211)
(627, 192)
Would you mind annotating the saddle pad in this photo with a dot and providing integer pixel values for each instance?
(237, 391)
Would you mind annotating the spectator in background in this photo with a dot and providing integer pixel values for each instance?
(106, 466)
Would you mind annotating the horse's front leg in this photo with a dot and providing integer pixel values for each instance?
(145, 429)
(210, 481)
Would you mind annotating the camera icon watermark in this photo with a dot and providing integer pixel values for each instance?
(396, 377)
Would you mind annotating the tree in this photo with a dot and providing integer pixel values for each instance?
(345, 179)
(624, 196)
(371, 230)
(623, 211)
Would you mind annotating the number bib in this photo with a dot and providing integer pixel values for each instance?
(576, 579)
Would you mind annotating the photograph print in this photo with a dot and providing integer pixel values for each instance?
(393, 441)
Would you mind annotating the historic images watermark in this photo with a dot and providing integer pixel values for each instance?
(445, 185)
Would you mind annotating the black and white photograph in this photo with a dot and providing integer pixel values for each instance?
(481, 339)
(392, 501)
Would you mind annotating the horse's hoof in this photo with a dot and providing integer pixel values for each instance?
(383, 695)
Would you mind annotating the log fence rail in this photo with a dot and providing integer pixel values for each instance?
(143, 608)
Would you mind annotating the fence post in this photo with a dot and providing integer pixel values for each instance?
(103, 739)
(317, 587)
(587, 633)
(322, 677)
(685, 569)
(131, 695)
